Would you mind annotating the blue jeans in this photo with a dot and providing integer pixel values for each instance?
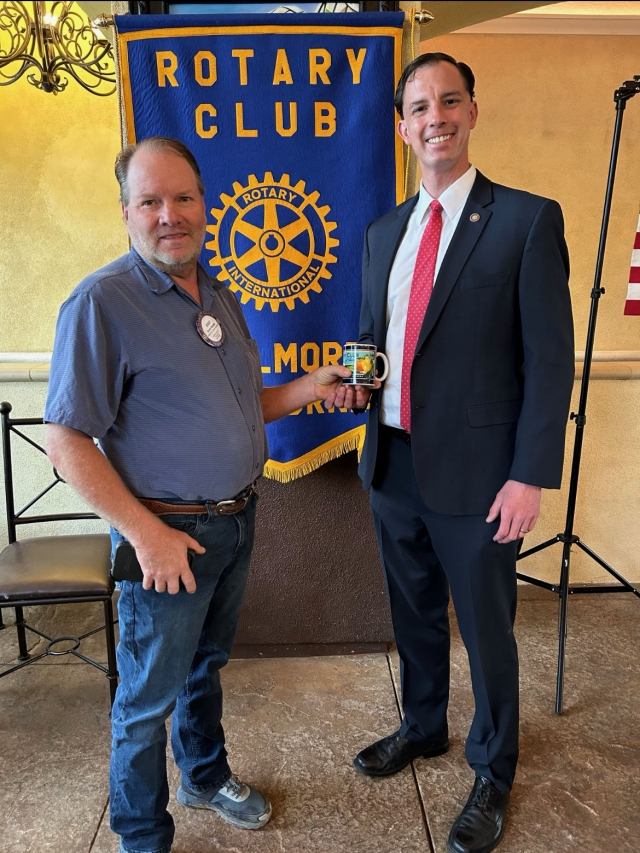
(171, 650)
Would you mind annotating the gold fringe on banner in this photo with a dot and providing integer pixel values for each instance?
(285, 472)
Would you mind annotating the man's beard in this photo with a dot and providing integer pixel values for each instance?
(181, 268)
(152, 252)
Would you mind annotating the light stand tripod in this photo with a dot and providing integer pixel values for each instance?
(628, 89)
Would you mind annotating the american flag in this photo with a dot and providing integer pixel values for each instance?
(632, 305)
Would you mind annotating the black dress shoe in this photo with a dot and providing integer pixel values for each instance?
(478, 827)
(389, 755)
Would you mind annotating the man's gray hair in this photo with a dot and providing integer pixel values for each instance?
(152, 143)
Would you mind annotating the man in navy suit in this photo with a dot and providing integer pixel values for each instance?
(465, 287)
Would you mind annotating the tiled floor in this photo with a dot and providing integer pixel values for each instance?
(294, 724)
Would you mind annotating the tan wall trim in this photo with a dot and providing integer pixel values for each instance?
(24, 371)
(611, 370)
(611, 355)
(612, 364)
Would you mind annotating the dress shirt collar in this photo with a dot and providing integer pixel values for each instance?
(451, 199)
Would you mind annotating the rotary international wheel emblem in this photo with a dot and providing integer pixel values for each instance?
(272, 241)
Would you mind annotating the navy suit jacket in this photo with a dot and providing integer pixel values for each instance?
(493, 370)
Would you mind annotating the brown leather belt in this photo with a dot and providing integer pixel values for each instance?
(230, 507)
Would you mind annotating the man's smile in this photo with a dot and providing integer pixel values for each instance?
(443, 138)
(177, 239)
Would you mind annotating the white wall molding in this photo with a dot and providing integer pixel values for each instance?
(18, 357)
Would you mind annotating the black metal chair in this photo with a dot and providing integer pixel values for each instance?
(52, 569)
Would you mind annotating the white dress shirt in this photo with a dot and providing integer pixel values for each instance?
(453, 199)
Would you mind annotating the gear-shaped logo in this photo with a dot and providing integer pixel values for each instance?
(272, 241)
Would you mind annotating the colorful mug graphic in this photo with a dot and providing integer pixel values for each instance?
(361, 361)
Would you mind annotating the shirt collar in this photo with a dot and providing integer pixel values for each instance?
(452, 199)
(160, 282)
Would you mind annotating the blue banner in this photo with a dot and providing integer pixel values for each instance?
(292, 122)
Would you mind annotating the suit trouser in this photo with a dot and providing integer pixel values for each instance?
(424, 554)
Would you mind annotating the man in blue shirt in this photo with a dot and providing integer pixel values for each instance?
(154, 359)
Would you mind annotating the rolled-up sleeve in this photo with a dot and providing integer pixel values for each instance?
(88, 369)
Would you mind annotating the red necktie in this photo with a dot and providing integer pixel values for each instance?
(421, 290)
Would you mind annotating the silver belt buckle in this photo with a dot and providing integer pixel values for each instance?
(224, 507)
(238, 503)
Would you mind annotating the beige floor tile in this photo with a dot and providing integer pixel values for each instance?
(54, 730)
(578, 780)
(293, 727)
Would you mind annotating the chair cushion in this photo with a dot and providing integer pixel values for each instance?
(56, 566)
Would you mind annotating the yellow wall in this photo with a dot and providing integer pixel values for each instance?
(59, 213)
(546, 119)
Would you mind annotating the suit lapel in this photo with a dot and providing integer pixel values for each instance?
(473, 221)
(384, 259)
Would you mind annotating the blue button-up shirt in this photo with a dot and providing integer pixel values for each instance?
(177, 419)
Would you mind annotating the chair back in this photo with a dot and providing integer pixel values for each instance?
(15, 518)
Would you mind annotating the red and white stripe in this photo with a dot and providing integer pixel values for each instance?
(632, 305)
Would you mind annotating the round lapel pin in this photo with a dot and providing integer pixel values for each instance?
(474, 217)
(209, 329)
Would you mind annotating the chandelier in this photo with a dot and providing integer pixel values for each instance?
(55, 39)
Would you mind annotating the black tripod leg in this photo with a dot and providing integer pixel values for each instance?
(562, 627)
(625, 583)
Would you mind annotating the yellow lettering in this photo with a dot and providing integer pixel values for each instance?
(319, 63)
(266, 369)
(331, 352)
(240, 128)
(317, 406)
(355, 62)
(310, 357)
(293, 119)
(282, 194)
(209, 77)
(285, 356)
(281, 71)
(167, 65)
(325, 118)
(296, 412)
(242, 56)
(201, 130)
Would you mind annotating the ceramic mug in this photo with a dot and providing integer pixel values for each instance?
(361, 361)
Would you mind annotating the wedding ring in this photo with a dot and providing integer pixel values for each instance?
(523, 531)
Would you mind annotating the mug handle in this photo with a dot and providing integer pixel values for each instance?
(386, 366)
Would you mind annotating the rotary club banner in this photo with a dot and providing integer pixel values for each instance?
(293, 126)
